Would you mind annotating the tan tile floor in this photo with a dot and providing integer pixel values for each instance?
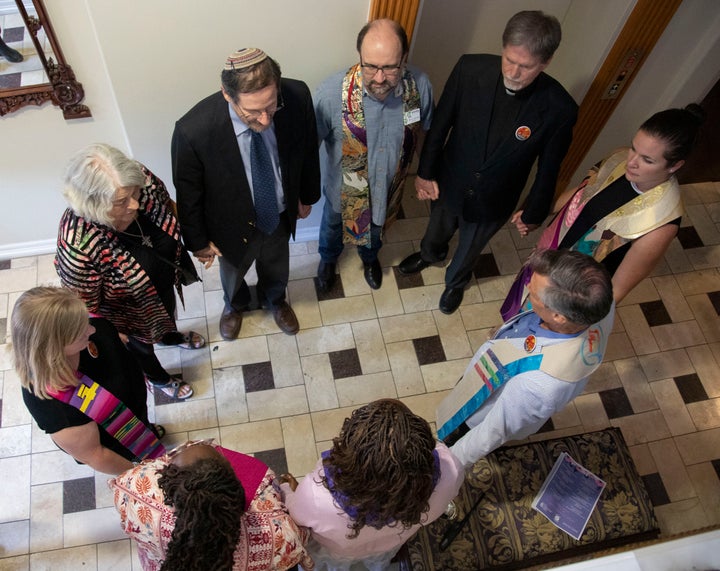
(284, 398)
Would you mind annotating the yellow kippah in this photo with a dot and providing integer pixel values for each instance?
(243, 58)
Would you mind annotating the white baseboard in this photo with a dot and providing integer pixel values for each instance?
(307, 234)
(24, 249)
(41, 247)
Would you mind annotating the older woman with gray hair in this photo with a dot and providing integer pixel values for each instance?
(119, 248)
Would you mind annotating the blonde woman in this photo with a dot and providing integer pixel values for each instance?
(80, 383)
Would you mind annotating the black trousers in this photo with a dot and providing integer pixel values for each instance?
(473, 237)
(271, 255)
(145, 354)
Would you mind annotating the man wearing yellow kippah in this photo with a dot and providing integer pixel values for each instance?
(245, 167)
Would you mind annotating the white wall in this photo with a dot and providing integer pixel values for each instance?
(143, 64)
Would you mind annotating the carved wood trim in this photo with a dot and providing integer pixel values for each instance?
(63, 89)
(403, 11)
(642, 30)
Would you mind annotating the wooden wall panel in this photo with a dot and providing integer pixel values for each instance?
(403, 11)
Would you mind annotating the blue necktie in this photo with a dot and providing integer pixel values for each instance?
(263, 182)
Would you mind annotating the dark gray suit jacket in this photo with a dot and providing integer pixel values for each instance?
(213, 194)
(453, 153)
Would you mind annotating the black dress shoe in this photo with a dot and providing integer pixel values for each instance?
(10, 54)
(413, 264)
(450, 299)
(373, 274)
(326, 276)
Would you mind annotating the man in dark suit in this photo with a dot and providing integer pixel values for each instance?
(245, 167)
(496, 116)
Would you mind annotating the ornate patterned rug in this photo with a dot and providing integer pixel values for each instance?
(504, 532)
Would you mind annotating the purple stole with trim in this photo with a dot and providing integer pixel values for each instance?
(113, 415)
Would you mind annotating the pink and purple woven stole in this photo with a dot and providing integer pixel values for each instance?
(113, 415)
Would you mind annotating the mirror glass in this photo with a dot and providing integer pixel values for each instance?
(32, 67)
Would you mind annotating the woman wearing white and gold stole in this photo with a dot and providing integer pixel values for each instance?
(628, 209)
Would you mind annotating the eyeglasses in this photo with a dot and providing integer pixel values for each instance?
(270, 111)
(387, 70)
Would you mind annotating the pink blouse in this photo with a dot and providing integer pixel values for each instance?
(311, 505)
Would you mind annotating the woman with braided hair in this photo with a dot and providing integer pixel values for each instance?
(203, 507)
(383, 478)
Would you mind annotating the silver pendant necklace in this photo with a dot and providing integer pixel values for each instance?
(144, 240)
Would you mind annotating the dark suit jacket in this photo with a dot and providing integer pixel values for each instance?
(213, 194)
(484, 190)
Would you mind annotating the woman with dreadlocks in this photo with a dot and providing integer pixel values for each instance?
(206, 508)
(383, 478)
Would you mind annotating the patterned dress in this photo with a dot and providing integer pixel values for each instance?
(269, 538)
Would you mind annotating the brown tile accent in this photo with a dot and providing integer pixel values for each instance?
(275, 459)
(715, 300)
(616, 403)
(655, 313)
(78, 495)
(258, 377)
(547, 427)
(656, 489)
(5, 264)
(429, 350)
(486, 267)
(691, 389)
(160, 397)
(9, 80)
(345, 363)
(14, 34)
(689, 238)
(335, 292)
(405, 281)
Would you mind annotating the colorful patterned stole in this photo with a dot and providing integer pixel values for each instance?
(354, 189)
(111, 413)
(571, 361)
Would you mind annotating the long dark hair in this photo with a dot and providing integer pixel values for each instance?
(678, 129)
(208, 500)
(383, 464)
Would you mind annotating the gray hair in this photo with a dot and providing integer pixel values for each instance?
(580, 288)
(92, 178)
(539, 33)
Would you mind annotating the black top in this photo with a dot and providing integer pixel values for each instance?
(161, 274)
(115, 369)
(603, 203)
(505, 111)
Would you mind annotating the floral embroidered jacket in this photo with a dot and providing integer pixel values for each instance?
(269, 538)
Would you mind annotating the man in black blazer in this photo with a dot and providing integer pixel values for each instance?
(257, 122)
(496, 116)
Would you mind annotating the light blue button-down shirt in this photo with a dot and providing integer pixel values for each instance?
(244, 136)
(385, 131)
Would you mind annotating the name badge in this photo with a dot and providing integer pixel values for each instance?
(412, 116)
